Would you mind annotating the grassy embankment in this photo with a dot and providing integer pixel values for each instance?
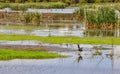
(13, 54)
(63, 39)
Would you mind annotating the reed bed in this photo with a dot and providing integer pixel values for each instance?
(99, 16)
(102, 18)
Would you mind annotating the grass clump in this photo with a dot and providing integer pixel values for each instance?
(32, 17)
(15, 54)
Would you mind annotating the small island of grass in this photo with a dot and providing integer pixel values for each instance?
(17, 54)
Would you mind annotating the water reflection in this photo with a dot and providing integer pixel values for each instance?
(57, 29)
(102, 33)
(49, 29)
(79, 58)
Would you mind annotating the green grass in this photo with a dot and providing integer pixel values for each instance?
(63, 39)
(13, 54)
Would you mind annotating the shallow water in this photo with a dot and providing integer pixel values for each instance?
(65, 11)
(70, 46)
(55, 29)
(85, 63)
(74, 29)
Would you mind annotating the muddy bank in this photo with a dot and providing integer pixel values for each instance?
(34, 48)
(19, 18)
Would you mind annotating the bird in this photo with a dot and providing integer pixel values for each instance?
(79, 48)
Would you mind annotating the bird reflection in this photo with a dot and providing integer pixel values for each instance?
(79, 57)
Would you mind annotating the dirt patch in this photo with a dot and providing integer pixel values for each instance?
(34, 48)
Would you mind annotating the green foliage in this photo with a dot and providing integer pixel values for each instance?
(25, 6)
(4, 5)
(17, 54)
(100, 15)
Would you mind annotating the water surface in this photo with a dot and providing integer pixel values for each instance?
(80, 63)
(57, 29)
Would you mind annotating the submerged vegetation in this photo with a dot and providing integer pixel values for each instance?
(63, 39)
(6, 54)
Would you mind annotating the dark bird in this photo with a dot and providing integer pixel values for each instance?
(79, 48)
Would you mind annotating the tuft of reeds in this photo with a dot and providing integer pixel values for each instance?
(80, 13)
(32, 17)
